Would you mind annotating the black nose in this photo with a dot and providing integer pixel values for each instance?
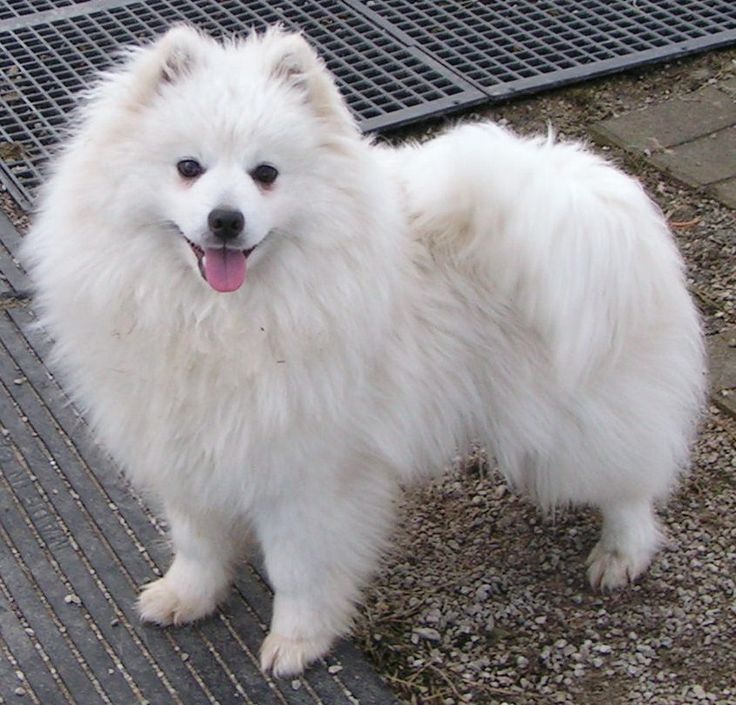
(225, 223)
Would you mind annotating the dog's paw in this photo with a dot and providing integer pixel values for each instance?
(285, 656)
(161, 602)
(612, 568)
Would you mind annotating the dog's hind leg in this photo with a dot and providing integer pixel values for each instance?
(629, 539)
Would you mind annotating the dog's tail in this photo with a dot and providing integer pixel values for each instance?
(569, 242)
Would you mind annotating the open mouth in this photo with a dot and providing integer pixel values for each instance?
(221, 267)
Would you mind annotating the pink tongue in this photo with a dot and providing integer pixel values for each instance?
(224, 269)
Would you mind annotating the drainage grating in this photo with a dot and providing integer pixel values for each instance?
(396, 61)
(506, 48)
(19, 8)
(44, 65)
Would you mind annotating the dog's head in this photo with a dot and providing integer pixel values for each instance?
(229, 145)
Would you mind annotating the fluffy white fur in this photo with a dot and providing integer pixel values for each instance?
(399, 305)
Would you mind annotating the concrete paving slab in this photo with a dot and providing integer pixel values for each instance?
(725, 191)
(692, 137)
(672, 122)
(76, 543)
(702, 161)
(722, 368)
(728, 86)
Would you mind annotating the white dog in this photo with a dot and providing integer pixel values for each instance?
(384, 309)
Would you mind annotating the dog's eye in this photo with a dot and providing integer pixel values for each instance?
(189, 168)
(265, 174)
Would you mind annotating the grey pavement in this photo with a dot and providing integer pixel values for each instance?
(692, 137)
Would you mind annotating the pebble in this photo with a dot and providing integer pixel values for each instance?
(427, 633)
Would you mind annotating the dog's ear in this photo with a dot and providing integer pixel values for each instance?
(166, 61)
(293, 61)
(178, 50)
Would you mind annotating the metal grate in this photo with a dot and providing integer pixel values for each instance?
(396, 61)
(45, 65)
(509, 47)
(19, 8)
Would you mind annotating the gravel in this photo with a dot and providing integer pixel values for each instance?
(483, 600)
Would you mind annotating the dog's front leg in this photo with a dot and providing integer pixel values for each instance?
(320, 545)
(205, 548)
